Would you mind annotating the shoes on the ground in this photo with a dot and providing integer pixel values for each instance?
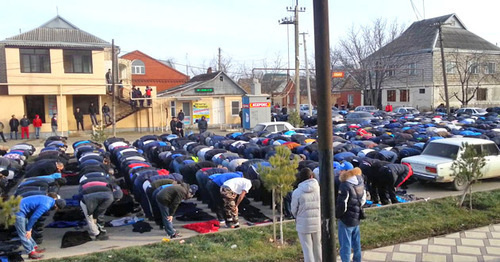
(175, 235)
(101, 236)
(39, 249)
(35, 255)
(222, 222)
(236, 225)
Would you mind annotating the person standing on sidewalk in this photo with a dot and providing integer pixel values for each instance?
(53, 124)
(25, 127)
(14, 126)
(1, 132)
(105, 112)
(307, 212)
(79, 119)
(202, 125)
(93, 114)
(37, 123)
(349, 211)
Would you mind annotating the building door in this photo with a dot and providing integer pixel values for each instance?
(186, 108)
(218, 111)
(35, 105)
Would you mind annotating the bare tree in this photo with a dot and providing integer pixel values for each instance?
(362, 56)
(470, 70)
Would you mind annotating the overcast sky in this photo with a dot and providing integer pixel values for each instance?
(191, 31)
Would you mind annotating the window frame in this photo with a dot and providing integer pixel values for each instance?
(474, 68)
(405, 97)
(412, 69)
(393, 95)
(44, 64)
(237, 108)
(483, 96)
(421, 90)
(138, 69)
(75, 53)
(451, 67)
(487, 68)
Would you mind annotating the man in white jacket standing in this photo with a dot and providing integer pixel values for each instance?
(307, 212)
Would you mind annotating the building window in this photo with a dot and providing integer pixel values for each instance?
(421, 91)
(172, 109)
(490, 68)
(412, 69)
(404, 96)
(391, 95)
(391, 71)
(474, 69)
(235, 108)
(350, 99)
(451, 67)
(138, 67)
(77, 61)
(481, 94)
(35, 60)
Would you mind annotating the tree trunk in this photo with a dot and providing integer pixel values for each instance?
(470, 197)
(274, 215)
(281, 220)
(462, 199)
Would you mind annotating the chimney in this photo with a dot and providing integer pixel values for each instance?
(255, 86)
(209, 70)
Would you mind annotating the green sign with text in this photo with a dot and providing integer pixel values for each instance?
(203, 90)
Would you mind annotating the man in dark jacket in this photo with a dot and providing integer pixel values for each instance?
(169, 199)
(93, 113)
(202, 124)
(179, 126)
(389, 177)
(30, 210)
(14, 126)
(25, 127)
(105, 112)
(180, 116)
(97, 197)
(173, 125)
(53, 124)
(349, 211)
(79, 119)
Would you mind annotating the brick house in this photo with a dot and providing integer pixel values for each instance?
(147, 71)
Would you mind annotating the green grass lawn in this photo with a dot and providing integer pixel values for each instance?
(383, 226)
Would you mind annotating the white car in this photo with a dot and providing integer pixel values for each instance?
(471, 111)
(406, 110)
(434, 164)
(273, 127)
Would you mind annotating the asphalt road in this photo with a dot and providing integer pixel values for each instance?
(440, 190)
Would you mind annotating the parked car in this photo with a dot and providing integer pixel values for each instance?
(406, 110)
(370, 109)
(434, 164)
(358, 117)
(304, 110)
(471, 111)
(273, 127)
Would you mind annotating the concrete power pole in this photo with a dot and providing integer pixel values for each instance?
(113, 75)
(295, 22)
(220, 59)
(325, 136)
(443, 64)
(308, 82)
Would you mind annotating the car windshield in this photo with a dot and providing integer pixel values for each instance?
(481, 110)
(441, 150)
(259, 128)
(364, 114)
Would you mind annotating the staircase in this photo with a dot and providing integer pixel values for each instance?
(123, 108)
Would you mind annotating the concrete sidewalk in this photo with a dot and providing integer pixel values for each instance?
(475, 245)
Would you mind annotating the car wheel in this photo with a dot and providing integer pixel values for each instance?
(459, 184)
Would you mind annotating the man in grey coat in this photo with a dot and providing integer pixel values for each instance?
(307, 212)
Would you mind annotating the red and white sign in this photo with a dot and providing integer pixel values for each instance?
(338, 74)
(260, 104)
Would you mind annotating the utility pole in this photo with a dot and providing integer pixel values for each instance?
(443, 65)
(325, 136)
(220, 67)
(113, 74)
(308, 82)
(295, 22)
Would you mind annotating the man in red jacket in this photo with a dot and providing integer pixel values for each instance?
(37, 123)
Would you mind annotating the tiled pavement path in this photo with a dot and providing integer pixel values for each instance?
(480, 244)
